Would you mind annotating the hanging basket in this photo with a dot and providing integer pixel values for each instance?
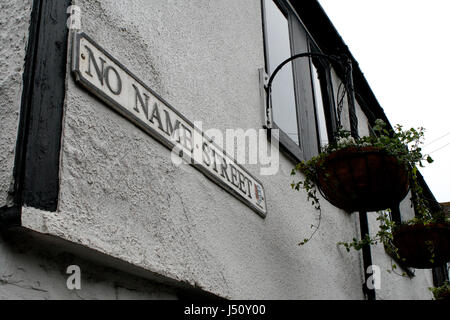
(423, 246)
(362, 179)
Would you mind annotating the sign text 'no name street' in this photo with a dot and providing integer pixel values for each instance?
(105, 77)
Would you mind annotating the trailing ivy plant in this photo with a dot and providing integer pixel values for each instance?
(405, 146)
(442, 292)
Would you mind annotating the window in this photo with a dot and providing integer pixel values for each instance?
(318, 99)
(283, 95)
(302, 104)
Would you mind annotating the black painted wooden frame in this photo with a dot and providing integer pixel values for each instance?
(36, 167)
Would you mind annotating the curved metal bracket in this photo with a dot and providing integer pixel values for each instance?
(348, 83)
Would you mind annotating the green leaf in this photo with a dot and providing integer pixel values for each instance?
(303, 242)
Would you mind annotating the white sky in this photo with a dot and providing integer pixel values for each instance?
(403, 49)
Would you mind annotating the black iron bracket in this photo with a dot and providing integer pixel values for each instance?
(343, 61)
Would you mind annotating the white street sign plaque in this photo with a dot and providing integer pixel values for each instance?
(101, 74)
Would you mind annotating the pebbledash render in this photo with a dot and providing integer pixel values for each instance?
(87, 170)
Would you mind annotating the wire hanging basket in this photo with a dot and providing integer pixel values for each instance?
(423, 246)
(362, 179)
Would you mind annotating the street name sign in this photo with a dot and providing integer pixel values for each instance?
(105, 77)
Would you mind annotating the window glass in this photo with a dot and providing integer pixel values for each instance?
(278, 50)
(320, 111)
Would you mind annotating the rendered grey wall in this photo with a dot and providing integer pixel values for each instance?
(33, 270)
(14, 23)
(121, 195)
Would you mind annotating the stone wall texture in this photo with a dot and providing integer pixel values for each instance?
(14, 22)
